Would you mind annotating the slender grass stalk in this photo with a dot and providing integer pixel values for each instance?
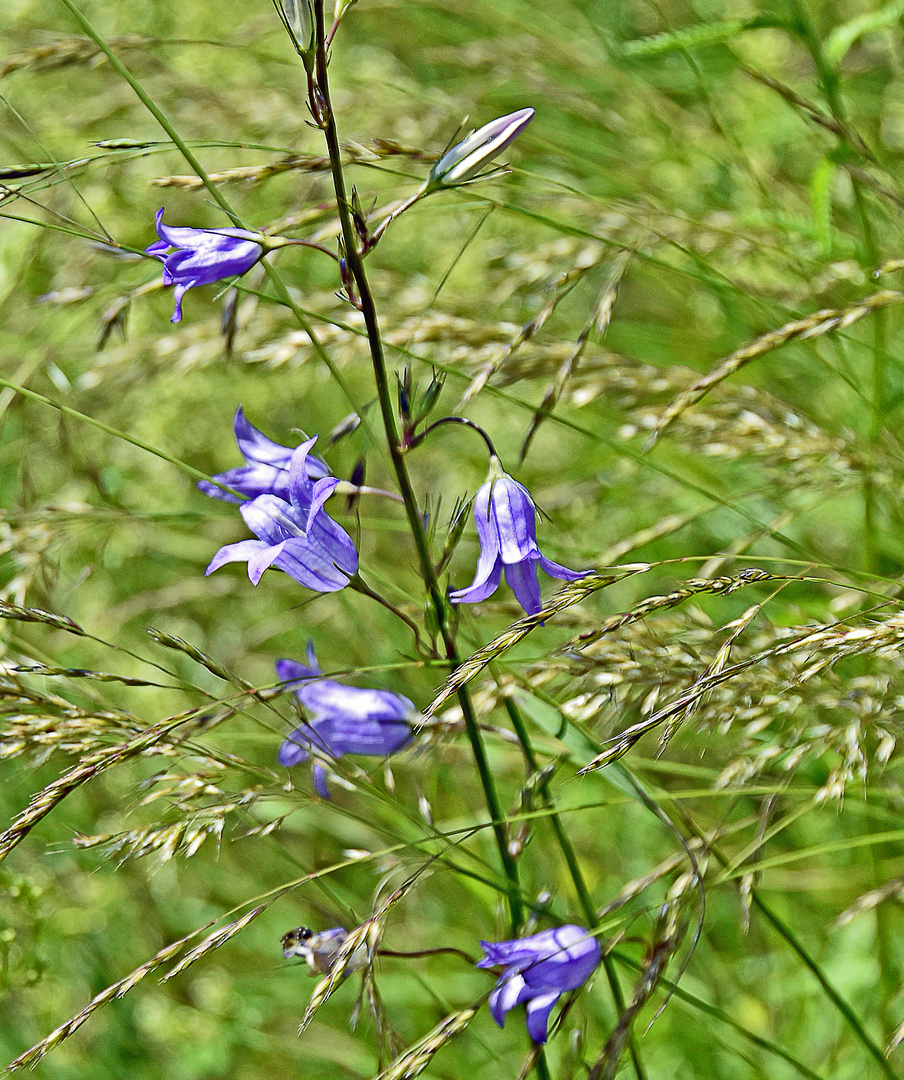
(831, 85)
(321, 108)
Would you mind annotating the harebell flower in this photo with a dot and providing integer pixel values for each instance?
(504, 514)
(266, 468)
(345, 719)
(537, 971)
(298, 536)
(202, 256)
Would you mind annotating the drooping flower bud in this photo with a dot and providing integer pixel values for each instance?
(466, 158)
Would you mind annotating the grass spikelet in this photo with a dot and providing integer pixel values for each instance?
(90, 767)
(560, 289)
(117, 990)
(168, 641)
(419, 1055)
(693, 587)
(367, 934)
(821, 322)
(834, 124)
(214, 941)
(573, 593)
(669, 932)
(598, 322)
(66, 52)
(36, 615)
(354, 153)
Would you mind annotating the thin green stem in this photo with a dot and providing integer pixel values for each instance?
(850, 1017)
(574, 869)
(321, 108)
(831, 86)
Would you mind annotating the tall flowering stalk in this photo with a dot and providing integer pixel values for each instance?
(321, 109)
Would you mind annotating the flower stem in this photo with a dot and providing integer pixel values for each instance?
(574, 870)
(322, 111)
(454, 420)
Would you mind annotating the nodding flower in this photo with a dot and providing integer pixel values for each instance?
(344, 719)
(505, 516)
(202, 256)
(536, 972)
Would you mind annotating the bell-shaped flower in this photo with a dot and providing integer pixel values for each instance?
(266, 468)
(202, 256)
(344, 719)
(504, 514)
(297, 536)
(466, 158)
(537, 971)
(321, 950)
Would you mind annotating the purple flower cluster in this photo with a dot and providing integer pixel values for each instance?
(294, 532)
(282, 493)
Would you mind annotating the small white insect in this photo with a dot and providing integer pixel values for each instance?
(320, 951)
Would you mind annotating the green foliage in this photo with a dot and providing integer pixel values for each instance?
(681, 308)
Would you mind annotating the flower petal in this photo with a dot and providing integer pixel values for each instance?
(556, 570)
(240, 552)
(508, 993)
(538, 1010)
(514, 515)
(522, 580)
(255, 446)
(289, 671)
(480, 589)
(271, 519)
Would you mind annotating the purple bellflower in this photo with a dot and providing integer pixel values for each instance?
(202, 256)
(465, 159)
(345, 719)
(538, 970)
(266, 471)
(504, 514)
(296, 536)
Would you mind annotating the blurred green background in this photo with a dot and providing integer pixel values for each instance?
(732, 168)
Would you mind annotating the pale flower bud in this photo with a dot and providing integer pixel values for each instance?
(299, 21)
(465, 160)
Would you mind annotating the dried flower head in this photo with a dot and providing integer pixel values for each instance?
(320, 950)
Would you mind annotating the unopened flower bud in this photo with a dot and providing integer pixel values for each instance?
(465, 160)
(298, 20)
